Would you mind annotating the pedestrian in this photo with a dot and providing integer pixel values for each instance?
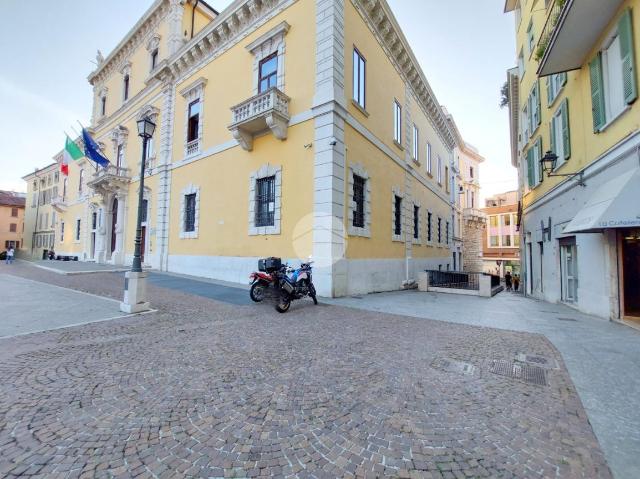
(507, 280)
(10, 254)
(52, 255)
(516, 283)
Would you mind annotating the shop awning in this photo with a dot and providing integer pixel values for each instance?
(616, 204)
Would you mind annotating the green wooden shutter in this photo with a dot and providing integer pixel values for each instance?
(563, 78)
(530, 170)
(539, 103)
(548, 82)
(540, 155)
(552, 130)
(566, 132)
(627, 54)
(597, 93)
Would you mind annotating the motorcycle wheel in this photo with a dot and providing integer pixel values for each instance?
(312, 293)
(257, 291)
(283, 304)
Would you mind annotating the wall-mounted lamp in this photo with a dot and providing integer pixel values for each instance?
(549, 162)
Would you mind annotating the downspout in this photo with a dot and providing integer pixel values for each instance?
(193, 16)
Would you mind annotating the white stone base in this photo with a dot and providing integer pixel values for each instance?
(135, 293)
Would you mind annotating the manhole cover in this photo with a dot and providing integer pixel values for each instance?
(453, 366)
(567, 319)
(537, 360)
(520, 371)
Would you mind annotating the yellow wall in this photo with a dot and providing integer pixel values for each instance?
(586, 146)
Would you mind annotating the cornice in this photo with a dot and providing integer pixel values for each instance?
(234, 23)
(136, 36)
(384, 25)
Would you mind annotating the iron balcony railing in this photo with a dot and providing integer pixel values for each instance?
(554, 14)
(111, 170)
(454, 280)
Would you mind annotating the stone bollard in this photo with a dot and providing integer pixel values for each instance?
(423, 281)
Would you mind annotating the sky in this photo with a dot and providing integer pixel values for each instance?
(47, 50)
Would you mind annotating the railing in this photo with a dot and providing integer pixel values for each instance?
(454, 280)
(469, 213)
(495, 280)
(58, 202)
(271, 100)
(193, 147)
(555, 11)
(111, 170)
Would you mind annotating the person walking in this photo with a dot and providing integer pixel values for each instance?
(507, 280)
(10, 253)
(516, 283)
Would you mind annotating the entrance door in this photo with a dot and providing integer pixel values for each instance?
(143, 238)
(631, 272)
(569, 270)
(114, 222)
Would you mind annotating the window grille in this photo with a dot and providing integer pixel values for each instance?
(358, 197)
(416, 222)
(398, 216)
(190, 213)
(265, 201)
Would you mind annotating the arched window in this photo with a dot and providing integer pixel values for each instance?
(126, 88)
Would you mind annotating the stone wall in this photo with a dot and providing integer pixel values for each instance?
(473, 237)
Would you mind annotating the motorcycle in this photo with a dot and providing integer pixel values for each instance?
(264, 279)
(293, 284)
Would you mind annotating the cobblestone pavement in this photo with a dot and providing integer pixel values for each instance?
(206, 389)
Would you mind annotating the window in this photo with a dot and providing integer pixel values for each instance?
(531, 40)
(429, 164)
(150, 150)
(397, 122)
(265, 201)
(125, 88)
(493, 241)
(439, 171)
(416, 222)
(560, 133)
(429, 235)
(439, 230)
(447, 232)
(359, 78)
(103, 105)
(493, 221)
(120, 156)
(61, 231)
(534, 168)
(521, 65)
(506, 240)
(416, 143)
(554, 85)
(471, 172)
(190, 213)
(13, 228)
(613, 75)
(506, 220)
(81, 181)
(64, 189)
(268, 73)
(14, 212)
(78, 224)
(446, 178)
(525, 124)
(397, 218)
(533, 107)
(359, 184)
(193, 125)
(154, 59)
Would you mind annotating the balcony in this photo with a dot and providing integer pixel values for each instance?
(59, 204)
(110, 179)
(266, 111)
(474, 214)
(570, 32)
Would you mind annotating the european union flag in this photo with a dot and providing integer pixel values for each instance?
(92, 150)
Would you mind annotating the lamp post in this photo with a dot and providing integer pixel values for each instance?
(549, 162)
(135, 286)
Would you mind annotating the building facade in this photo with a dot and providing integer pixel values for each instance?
(41, 220)
(11, 220)
(469, 218)
(275, 136)
(501, 237)
(574, 94)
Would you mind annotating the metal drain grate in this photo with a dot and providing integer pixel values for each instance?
(537, 360)
(521, 371)
(453, 366)
(567, 319)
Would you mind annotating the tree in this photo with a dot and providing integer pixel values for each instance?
(504, 95)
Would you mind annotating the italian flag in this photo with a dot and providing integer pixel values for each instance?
(71, 152)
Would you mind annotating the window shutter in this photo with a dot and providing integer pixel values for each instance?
(530, 170)
(563, 78)
(566, 132)
(597, 93)
(538, 147)
(538, 104)
(552, 130)
(627, 54)
(548, 83)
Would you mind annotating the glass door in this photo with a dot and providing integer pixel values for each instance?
(569, 256)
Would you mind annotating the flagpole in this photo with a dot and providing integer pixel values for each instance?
(80, 135)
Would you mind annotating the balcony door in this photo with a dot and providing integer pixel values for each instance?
(114, 222)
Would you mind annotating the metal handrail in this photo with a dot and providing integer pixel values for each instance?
(555, 12)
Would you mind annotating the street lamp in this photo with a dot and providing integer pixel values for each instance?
(549, 162)
(135, 285)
